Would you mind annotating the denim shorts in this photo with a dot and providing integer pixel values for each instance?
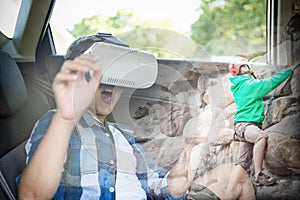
(248, 134)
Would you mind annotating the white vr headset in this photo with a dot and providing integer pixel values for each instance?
(124, 66)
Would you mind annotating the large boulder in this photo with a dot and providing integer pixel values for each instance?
(283, 152)
(218, 91)
(280, 108)
(159, 150)
(295, 84)
(205, 124)
(284, 189)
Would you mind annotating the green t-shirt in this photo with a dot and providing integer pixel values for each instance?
(248, 95)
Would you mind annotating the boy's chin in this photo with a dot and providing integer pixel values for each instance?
(102, 114)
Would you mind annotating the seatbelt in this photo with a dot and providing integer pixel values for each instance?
(5, 187)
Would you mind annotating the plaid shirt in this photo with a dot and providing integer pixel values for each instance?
(90, 164)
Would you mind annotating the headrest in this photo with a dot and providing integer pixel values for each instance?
(13, 94)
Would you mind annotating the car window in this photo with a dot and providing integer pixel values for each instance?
(213, 29)
(9, 10)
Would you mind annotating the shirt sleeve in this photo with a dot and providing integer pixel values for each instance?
(36, 136)
(263, 87)
(38, 132)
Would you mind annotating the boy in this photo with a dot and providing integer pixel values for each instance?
(248, 94)
(74, 152)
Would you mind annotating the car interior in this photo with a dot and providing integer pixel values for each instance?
(26, 92)
(28, 65)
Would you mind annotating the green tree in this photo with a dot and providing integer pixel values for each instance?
(150, 35)
(231, 27)
(123, 21)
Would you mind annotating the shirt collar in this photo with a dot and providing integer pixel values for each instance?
(88, 120)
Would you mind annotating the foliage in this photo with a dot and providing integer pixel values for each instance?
(123, 21)
(163, 43)
(224, 27)
(231, 27)
(128, 27)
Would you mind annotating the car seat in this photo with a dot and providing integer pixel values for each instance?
(25, 95)
(13, 96)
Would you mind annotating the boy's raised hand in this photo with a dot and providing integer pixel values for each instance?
(73, 93)
(295, 65)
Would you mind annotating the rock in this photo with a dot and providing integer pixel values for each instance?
(284, 189)
(159, 150)
(201, 87)
(168, 119)
(283, 151)
(141, 112)
(283, 158)
(280, 108)
(229, 114)
(289, 127)
(296, 185)
(295, 83)
(218, 92)
(190, 101)
(216, 180)
(173, 122)
(207, 124)
(201, 105)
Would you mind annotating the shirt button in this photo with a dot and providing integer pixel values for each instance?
(112, 162)
(111, 189)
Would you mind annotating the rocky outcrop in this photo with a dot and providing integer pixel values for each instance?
(283, 154)
(217, 180)
(205, 108)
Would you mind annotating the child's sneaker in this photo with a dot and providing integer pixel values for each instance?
(263, 179)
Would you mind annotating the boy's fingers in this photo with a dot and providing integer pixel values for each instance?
(95, 79)
(65, 77)
(82, 64)
(88, 61)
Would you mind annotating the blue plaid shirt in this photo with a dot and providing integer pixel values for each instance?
(90, 165)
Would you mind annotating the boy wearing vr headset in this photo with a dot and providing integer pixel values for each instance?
(73, 152)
